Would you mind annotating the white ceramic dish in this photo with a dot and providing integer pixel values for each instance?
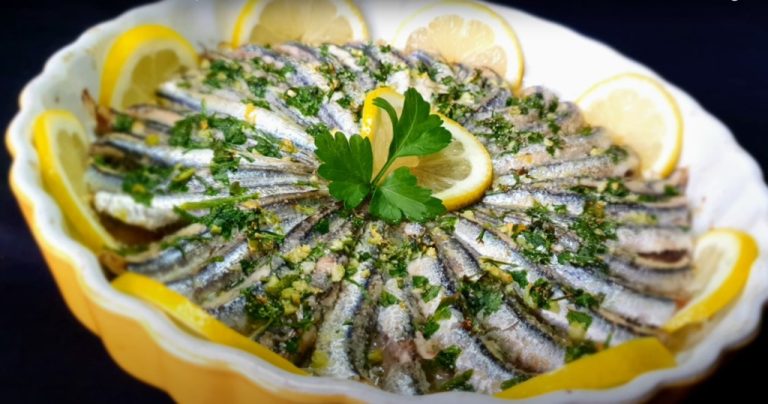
(726, 187)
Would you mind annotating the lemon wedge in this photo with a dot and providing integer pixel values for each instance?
(307, 21)
(609, 368)
(458, 175)
(722, 260)
(194, 318)
(62, 142)
(139, 60)
(639, 113)
(464, 32)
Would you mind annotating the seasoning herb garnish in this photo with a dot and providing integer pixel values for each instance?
(541, 292)
(459, 382)
(348, 164)
(580, 319)
(387, 299)
(433, 323)
(306, 100)
(446, 358)
(579, 349)
(482, 297)
(514, 381)
(593, 229)
(144, 182)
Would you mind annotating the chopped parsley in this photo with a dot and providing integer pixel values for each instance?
(194, 131)
(521, 278)
(514, 381)
(615, 187)
(430, 292)
(616, 153)
(323, 226)
(277, 73)
(225, 218)
(123, 123)
(459, 382)
(419, 281)
(307, 99)
(262, 308)
(144, 182)
(222, 73)
(257, 86)
(225, 135)
(503, 133)
(580, 319)
(584, 299)
(450, 102)
(482, 297)
(579, 349)
(593, 230)
(541, 293)
(387, 299)
(446, 358)
(447, 223)
(317, 129)
(433, 323)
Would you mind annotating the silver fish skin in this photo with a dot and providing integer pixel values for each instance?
(178, 258)
(229, 306)
(488, 244)
(343, 60)
(527, 196)
(265, 120)
(331, 113)
(252, 180)
(637, 308)
(273, 91)
(645, 239)
(204, 285)
(120, 144)
(335, 337)
(670, 283)
(659, 278)
(214, 276)
(394, 325)
(657, 189)
(598, 166)
(99, 178)
(520, 341)
(160, 211)
(488, 374)
(574, 147)
(378, 59)
(193, 247)
(134, 149)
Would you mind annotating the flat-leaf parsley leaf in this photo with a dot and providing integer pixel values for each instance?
(348, 163)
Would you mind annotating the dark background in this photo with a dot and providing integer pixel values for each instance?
(715, 50)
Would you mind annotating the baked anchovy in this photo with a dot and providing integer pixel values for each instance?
(568, 252)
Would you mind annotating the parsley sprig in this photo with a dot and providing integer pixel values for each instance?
(348, 163)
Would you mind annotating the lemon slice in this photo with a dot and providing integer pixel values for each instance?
(722, 260)
(62, 143)
(307, 21)
(139, 60)
(641, 114)
(195, 318)
(609, 368)
(464, 32)
(458, 175)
